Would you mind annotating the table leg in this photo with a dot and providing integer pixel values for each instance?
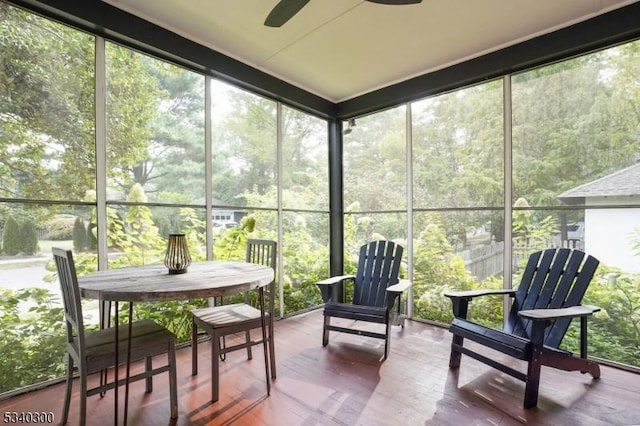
(115, 389)
(128, 374)
(117, 362)
(105, 322)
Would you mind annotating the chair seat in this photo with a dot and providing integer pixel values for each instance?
(148, 339)
(226, 315)
(506, 343)
(357, 312)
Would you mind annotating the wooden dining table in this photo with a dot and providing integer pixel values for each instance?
(154, 283)
(208, 279)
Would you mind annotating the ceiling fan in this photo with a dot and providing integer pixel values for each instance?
(285, 9)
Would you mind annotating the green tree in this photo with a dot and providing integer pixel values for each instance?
(374, 157)
(458, 158)
(47, 143)
(244, 144)
(79, 235)
(174, 170)
(11, 240)
(573, 122)
(135, 234)
(46, 99)
(28, 238)
(132, 97)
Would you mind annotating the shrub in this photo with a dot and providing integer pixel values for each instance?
(11, 237)
(33, 344)
(92, 241)
(61, 228)
(28, 238)
(79, 235)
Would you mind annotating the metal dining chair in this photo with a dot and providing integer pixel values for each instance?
(225, 320)
(94, 351)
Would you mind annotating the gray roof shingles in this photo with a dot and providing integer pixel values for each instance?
(624, 182)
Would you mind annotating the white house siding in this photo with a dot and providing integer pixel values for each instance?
(607, 232)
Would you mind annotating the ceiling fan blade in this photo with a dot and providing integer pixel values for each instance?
(392, 2)
(284, 11)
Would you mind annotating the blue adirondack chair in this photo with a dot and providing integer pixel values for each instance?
(377, 292)
(547, 299)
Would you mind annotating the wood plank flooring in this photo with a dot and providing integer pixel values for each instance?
(345, 384)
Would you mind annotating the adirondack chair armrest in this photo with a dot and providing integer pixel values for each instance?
(543, 318)
(461, 299)
(329, 289)
(395, 291)
(470, 294)
(554, 314)
(394, 302)
(400, 287)
(336, 279)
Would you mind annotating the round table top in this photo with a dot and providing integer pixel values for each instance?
(154, 283)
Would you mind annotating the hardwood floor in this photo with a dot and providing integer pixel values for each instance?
(345, 384)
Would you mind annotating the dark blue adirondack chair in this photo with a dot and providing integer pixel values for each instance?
(377, 293)
(544, 304)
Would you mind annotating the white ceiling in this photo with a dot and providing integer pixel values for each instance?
(339, 49)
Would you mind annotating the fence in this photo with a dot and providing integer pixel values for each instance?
(487, 260)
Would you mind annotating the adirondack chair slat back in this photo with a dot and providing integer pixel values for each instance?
(378, 268)
(552, 279)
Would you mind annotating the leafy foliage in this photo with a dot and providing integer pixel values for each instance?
(138, 242)
(438, 270)
(614, 333)
(32, 345)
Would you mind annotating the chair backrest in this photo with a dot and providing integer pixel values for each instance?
(552, 279)
(378, 268)
(71, 299)
(264, 252)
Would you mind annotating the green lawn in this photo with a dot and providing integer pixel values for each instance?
(44, 246)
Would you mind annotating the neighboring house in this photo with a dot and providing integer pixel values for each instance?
(609, 232)
(225, 217)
